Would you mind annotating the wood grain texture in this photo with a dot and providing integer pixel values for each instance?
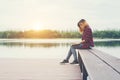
(96, 68)
(37, 69)
(110, 60)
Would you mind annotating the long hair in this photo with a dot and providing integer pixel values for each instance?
(81, 21)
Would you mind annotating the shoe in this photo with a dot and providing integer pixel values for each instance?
(74, 62)
(65, 61)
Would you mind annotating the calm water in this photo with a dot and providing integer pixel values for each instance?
(50, 48)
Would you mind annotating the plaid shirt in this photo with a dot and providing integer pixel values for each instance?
(88, 37)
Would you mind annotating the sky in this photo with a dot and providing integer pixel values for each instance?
(59, 14)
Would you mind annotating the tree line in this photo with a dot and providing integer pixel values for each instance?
(57, 34)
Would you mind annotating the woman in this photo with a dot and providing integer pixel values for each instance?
(86, 43)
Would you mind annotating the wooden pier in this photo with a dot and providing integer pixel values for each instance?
(98, 65)
(93, 63)
(37, 69)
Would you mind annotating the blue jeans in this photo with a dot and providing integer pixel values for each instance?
(73, 51)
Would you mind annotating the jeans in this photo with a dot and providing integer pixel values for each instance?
(73, 51)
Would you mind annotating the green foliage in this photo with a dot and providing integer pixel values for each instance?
(57, 34)
(70, 34)
(107, 34)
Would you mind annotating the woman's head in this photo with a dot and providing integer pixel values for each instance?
(82, 24)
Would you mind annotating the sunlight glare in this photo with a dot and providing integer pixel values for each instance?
(37, 26)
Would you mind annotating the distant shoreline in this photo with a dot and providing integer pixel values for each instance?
(54, 34)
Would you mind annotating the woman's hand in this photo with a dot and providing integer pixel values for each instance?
(78, 43)
(75, 43)
(82, 41)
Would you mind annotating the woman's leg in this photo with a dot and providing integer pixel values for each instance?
(69, 55)
(73, 51)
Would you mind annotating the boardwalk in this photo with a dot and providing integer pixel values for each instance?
(37, 69)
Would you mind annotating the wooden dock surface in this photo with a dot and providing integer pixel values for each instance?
(37, 69)
(98, 65)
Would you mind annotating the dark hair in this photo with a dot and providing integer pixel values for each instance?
(81, 21)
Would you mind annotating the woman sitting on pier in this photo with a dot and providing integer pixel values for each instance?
(86, 43)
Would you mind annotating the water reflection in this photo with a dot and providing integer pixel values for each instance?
(21, 44)
(107, 43)
(49, 48)
(48, 45)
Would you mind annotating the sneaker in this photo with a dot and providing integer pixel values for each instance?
(65, 61)
(74, 62)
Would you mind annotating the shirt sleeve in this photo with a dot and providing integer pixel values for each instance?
(88, 35)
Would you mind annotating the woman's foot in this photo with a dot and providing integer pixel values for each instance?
(74, 62)
(65, 61)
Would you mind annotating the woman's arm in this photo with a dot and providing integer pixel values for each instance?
(87, 35)
(78, 42)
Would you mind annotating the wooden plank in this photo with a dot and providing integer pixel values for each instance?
(97, 69)
(37, 69)
(110, 60)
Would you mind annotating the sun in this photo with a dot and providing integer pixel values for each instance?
(37, 26)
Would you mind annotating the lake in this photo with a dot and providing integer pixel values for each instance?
(50, 48)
